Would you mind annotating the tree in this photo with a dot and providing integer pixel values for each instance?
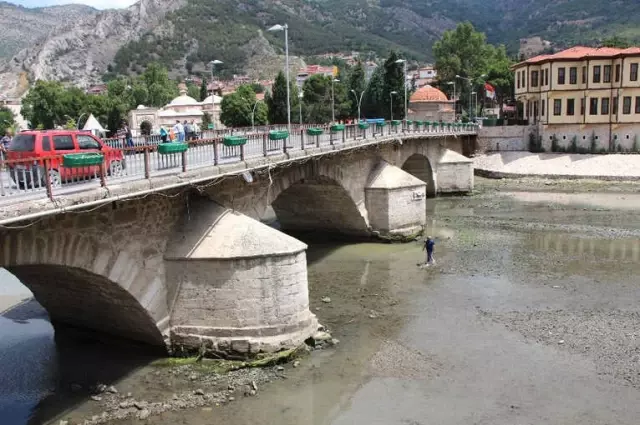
(193, 91)
(236, 108)
(500, 76)
(373, 99)
(356, 83)
(277, 100)
(617, 42)
(393, 81)
(206, 120)
(42, 106)
(203, 90)
(7, 120)
(464, 52)
(317, 99)
(160, 88)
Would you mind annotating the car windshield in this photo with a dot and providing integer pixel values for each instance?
(23, 143)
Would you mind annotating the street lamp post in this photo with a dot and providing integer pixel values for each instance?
(333, 109)
(404, 62)
(470, 80)
(475, 103)
(359, 100)
(285, 28)
(213, 64)
(391, 102)
(453, 83)
(300, 96)
(79, 118)
(253, 114)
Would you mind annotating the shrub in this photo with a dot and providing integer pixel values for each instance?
(573, 148)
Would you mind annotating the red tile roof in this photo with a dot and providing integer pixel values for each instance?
(581, 52)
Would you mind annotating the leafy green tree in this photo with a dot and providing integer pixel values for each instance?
(7, 120)
(373, 99)
(203, 90)
(393, 81)
(464, 52)
(43, 106)
(357, 83)
(70, 124)
(236, 108)
(277, 100)
(193, 91)
(317, 99)
(616, 41)
(206, 120)
(161, 89)
(500, 76)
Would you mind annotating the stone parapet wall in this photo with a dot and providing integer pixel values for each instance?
(623, 135)
(503, 138)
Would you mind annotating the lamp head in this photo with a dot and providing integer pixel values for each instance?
(401, 61)
(394, 92)
(215, 62)
(276, 27)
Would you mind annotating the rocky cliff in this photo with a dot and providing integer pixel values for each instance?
(83, 44)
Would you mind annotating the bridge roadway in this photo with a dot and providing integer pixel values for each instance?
(145, 170)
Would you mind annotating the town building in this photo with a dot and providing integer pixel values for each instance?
(430, 104)
(146, 120)
(590, 94)
(424, 76)
(303, 74)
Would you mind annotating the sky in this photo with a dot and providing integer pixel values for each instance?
(98, 4)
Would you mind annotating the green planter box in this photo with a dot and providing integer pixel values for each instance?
(234, 141)
(409, 122)
(427, 123)
(337, 127)
(82, 159)
(418, 123)
(363, 125)
(381, 124)
(314, 131)
(278, 135)
(396, 123)
(173, 147)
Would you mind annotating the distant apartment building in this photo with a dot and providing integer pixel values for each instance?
(310, 70)
(423, 76)
(582, 92)
(97, 89)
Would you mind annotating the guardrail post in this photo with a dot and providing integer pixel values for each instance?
(184, 161)
(216, 154)
(343, 136)
(264, 144)
(284, 144)
(47, 179)
(147, 162)
(241, 152)
(103, 173)
(301, 139)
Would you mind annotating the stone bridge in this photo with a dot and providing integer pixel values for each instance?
(184, 261)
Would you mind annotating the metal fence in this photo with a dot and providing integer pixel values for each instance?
(47, 177)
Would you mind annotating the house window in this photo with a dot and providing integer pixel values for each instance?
(606, 78)
(517, 79)
(584, 75)
(596, 74)
(534, 78)
(546, 77)
(571, 106)
(604, 106)
(542, 103)
(582, 106)
(593, 106)
(617, 73)
(557, 107)
(561, 75)
(573, 75)
(634, 72)
(524, 79)
(637, 104)
(626, 105)
(615, 105)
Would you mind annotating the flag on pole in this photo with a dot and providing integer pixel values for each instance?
(490, 90)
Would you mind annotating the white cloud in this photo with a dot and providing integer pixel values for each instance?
(98, 4)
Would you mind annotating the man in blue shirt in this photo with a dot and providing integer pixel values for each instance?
(428, 246)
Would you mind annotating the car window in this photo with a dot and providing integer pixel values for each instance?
(23, 143)
(46, 143)
(87, 142)
(63, 143)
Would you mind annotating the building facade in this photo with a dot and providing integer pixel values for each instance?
(591, 94)
(430, 104)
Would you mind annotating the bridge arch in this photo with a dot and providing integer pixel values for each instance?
(419, 166)
(101, 269)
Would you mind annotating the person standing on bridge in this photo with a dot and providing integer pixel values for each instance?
(429, 244)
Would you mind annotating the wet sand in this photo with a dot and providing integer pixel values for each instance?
(530, 316)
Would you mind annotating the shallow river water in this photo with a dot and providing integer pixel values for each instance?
(530, 316)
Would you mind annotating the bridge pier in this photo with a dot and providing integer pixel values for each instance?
(242, 285)
(395, 202)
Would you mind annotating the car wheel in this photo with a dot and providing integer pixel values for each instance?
(116, 168)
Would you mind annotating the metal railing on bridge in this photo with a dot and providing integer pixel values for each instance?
(41, 177)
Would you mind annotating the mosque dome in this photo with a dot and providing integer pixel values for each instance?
(428, 94)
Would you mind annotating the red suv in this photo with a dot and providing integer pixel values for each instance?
(35, 145)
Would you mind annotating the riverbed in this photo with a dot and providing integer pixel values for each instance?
(531, 315)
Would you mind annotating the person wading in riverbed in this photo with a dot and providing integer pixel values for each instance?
(429, 244)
